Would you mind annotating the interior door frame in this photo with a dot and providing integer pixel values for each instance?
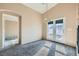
(20, 30)
(3, 27)
(77, 42)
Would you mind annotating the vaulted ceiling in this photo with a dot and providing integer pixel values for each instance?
(40, 7)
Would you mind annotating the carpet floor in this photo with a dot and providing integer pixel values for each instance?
(40, 48)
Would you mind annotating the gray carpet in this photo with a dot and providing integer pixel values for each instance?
(40, 48)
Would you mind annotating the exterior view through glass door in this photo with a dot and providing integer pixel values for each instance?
(50, 30)
(59, 29)
(56, 30)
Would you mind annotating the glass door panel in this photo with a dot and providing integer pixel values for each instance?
(59, 29)
(56, 30)
(50, 30)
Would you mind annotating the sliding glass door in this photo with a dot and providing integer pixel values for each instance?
(56, 30)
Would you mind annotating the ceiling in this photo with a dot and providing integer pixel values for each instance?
(40, 7)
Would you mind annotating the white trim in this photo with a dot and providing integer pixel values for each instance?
(3, 31)
(11, 11)
(10, 17)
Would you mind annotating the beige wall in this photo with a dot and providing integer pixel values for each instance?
(11, 29)
(31, 22)
(69, 11)
(32, 26)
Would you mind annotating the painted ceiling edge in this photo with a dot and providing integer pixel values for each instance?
(40, 3)
(7, 10)
(29, 8)
(50, 8)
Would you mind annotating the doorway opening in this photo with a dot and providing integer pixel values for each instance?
(11, 30)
